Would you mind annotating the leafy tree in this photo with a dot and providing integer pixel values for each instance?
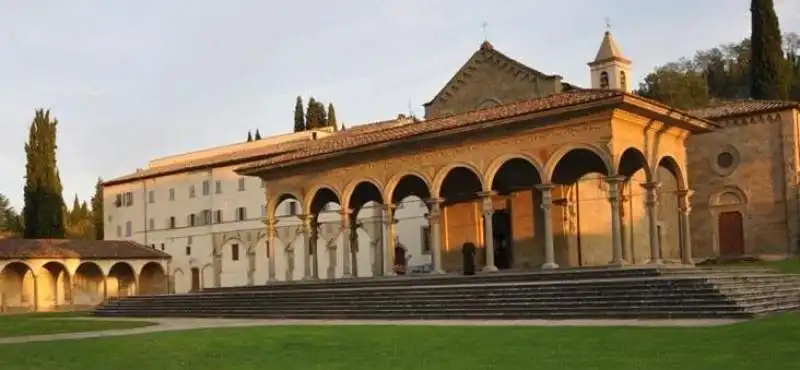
(332, 117)
(258, 135)
(315, 115)
(677, 85)
(80, 223)
(43, 214)
(768, 74)
(299, 115)
(9, 219)
(249, 136)
(97, 210)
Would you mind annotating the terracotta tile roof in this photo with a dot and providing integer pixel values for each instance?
(732, 108)
(351, 139)
(240, 156)
(68, 248)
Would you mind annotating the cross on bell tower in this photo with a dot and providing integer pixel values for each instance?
(610, 69)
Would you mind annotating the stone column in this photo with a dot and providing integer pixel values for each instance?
(315, 248)
(388, 239)
(354, 247)
(651, 204)
(435, 226)
(625, 224)
(616, 230)
(685, 204)
(307, 235)
(488, 230)
(346, 239)
(547, 205)
(271, 233)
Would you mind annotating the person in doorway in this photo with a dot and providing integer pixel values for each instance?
(468, 251)
(400, 258)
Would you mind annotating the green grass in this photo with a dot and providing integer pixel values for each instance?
(772, 343)
(56, 323)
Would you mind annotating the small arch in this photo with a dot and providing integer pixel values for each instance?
(728, 195)
(19, 285)
(121, 280)
(623, 80)
(515, 170)
(458, 167)
(282, 197)
(489, 103)
(631, 161)
(498, 163)
(604, 83)
(405, 184)
(362, 191)
(601, 160)
(319, 196)
(668, 162)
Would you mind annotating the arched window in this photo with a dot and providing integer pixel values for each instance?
(604, 80)
(623, 81)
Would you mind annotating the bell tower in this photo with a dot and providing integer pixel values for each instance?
(610, 69)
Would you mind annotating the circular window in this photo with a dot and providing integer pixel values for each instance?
(725, 160)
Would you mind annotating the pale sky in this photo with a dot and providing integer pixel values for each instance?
(133, 80)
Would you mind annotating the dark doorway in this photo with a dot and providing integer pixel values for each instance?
(731, 234)
(503, 251)
(195, 279)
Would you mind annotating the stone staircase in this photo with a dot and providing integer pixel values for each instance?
(622, 293)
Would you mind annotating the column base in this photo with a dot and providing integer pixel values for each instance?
(549, 266)
(347, 275)
(490, 268)
(437, 272)
(618, 263)
(307, 278)
(655, 262)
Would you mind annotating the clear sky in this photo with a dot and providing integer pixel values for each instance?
(134, 80)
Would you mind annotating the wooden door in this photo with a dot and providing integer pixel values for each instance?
(731, 234)
(195, 279)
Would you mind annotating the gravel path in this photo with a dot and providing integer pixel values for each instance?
(175, 324)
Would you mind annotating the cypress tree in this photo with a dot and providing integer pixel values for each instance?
(299, 115)
(766, 68)
(97, 210)
(258, 135)
(249, 136)
(332, 117)
(315, 115)
(44, 204)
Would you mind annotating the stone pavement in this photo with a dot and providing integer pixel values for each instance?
(175, 324)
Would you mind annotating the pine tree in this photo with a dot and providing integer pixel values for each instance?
(249, 136)
(43, 214)
(767, 72)
(332, 117)
(343, 127)
(258, 135)
(97, 210)
(299, 115)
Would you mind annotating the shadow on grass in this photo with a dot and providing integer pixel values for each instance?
(42, 323)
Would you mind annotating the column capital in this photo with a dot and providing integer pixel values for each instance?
(686, 193)
(344, 212)
(434, 201)
(651, 185)
(544, 187)
(615, 180)
(487, 194)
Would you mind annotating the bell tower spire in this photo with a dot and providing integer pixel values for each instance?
(610, 69)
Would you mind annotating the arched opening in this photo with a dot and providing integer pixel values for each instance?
(19, 291)
(289, 240)
(604, 83)
(152, 279)
(54, 287)
(366, 229)
(258, 256)
(121, 280)
(623, 81)
(462, 216)
(668, 225)
(633, 166)
(413, 229)
(517, 221)
(179, 282)
(729, 207)
(326, 234)
(581, 209)
(89, 288)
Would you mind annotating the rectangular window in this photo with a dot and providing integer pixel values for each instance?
(235, 252)
(151, 196)
(162, 246)
(263, 210)
(291, 208)
(218, 216)
(206, 187)
(425, 235)
(128, 228)
(241, 214)
(152, 224)
(171, 193)
(192, 219)
(171, 222)
(241, 184)
(205, 217)
(188, 251)
(192, 191)
(218, 186)
(119, 231)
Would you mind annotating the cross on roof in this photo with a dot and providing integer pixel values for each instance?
(608, 24)
(485, 36)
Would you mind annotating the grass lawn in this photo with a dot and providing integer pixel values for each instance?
(55, 323)
(772, 343)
